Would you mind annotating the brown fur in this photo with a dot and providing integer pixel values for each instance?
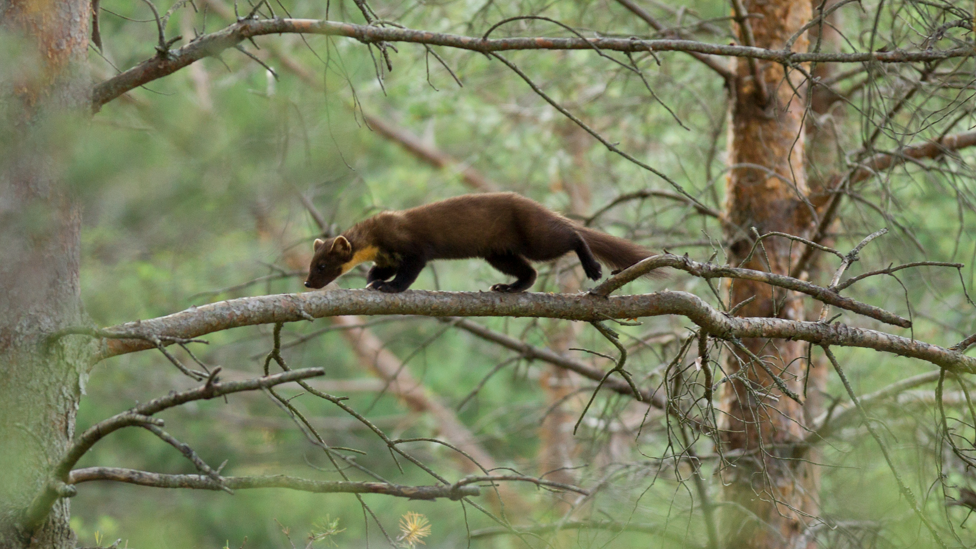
(505, 229)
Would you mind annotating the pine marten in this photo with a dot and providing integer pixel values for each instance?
(505, 229)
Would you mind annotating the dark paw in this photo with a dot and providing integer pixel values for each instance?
(593, 272)
(382, 286)
(505, 288)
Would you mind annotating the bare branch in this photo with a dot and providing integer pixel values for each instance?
(708, 270)
(614, 339)
(850, 258)
(187, 452)
(720, 69)
(214, 43)
(139, 415)
(269, 309)
(871, 167)
(542, 483)
(891, 269)
(201, 482)
(843, 415)
(531, 352)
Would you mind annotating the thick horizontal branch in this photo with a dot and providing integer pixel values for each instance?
(269, 309)
(202, 482)
(214, 43)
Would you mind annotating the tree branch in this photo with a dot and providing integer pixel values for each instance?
(720, 69)
(269, 309)
(871, 167)
(612, 526)
(139, 415)
(708, 270)
(531, 352)
(201, 482)
(214, 43)
(830, 422)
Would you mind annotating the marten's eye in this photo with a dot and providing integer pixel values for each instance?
(320, 268)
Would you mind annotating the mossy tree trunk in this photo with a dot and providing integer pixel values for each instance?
(45, 92)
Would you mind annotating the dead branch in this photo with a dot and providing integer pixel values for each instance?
(202, 482)
(842, 416)
(269, 309)
(212, 44)
(140, 415)
(716, 66)
(531, 352)
(708, 270)
(870, 167)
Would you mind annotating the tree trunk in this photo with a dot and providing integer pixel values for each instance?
(44, 88)
(768, 493)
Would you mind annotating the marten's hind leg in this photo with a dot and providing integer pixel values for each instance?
(590, 266)
(516, 266)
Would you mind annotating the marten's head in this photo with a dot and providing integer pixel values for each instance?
(334, 257)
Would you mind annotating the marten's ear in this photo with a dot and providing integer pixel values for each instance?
(341, 246)
(318, 244)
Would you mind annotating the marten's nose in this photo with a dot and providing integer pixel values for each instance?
(307, 285)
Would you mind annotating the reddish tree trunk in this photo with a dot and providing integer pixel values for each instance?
(767, 492)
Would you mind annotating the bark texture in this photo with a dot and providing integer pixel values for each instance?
(768, 493)
(43, 82)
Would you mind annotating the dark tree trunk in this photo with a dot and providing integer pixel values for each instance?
(45, 91)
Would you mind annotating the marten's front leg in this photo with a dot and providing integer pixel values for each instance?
(516, 266)
(406, 273)
(379, 273)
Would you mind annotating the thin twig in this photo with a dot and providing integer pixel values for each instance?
(613, 338)
(775, 378)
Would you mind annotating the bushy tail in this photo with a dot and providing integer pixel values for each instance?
(615, 252)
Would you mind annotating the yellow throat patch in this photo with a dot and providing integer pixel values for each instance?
(361, 256)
